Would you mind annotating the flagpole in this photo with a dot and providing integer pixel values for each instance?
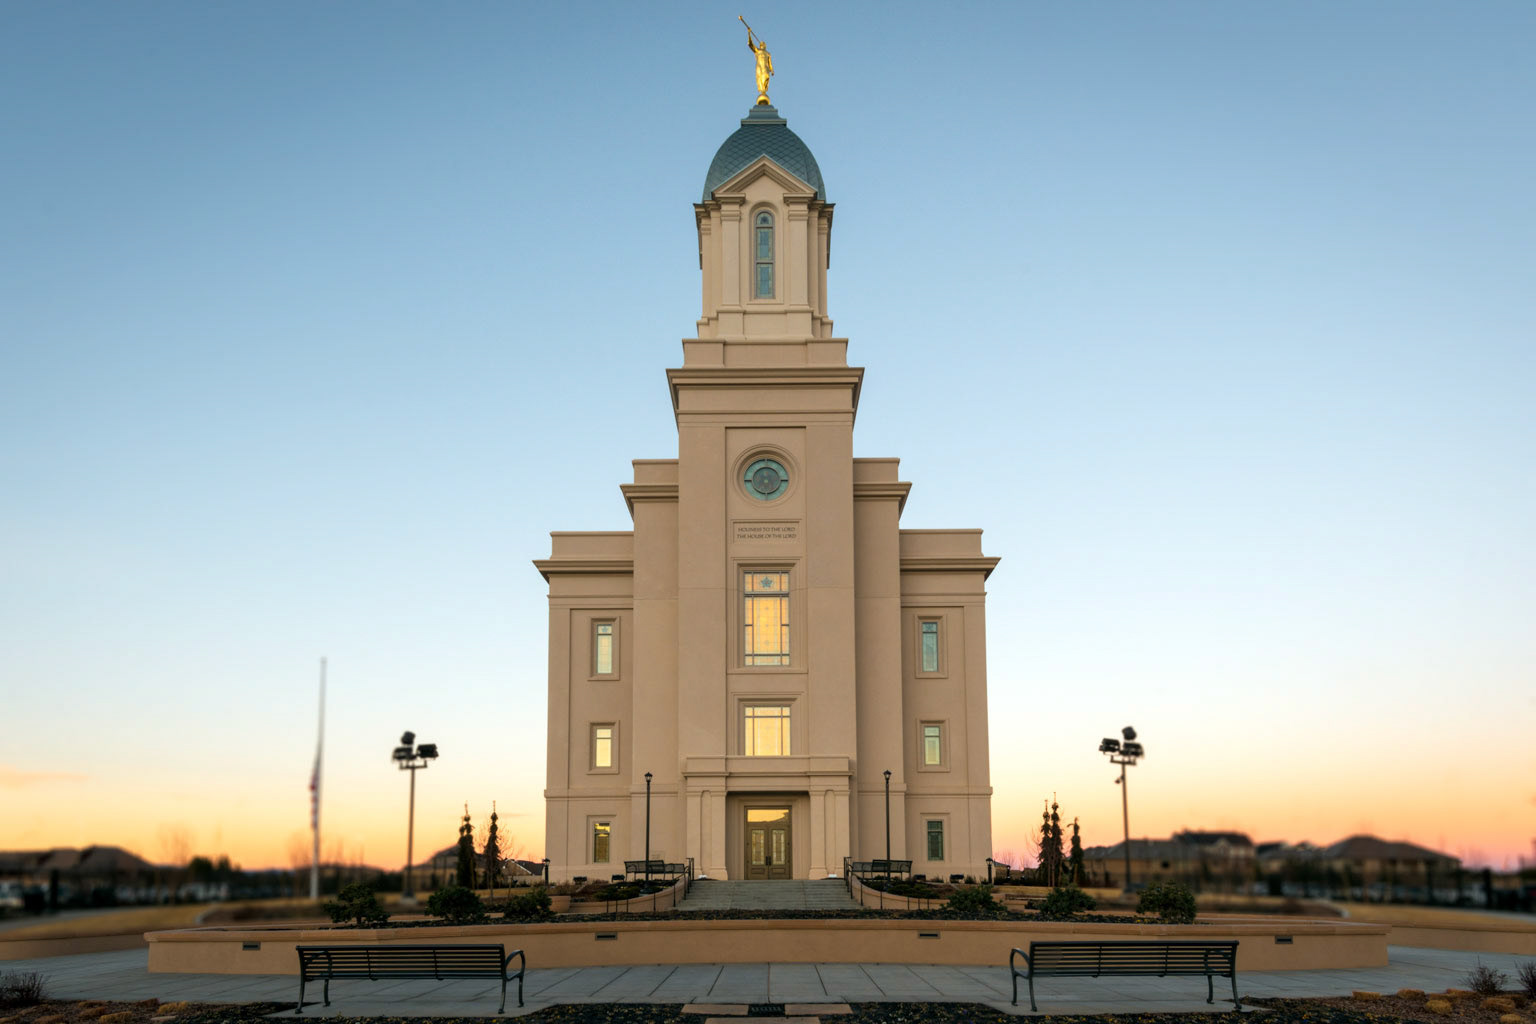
(314, 788)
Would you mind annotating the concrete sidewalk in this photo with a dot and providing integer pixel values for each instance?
(124, 976)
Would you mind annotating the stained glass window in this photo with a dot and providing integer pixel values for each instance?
(601, 831)
(602, 746)
(933, 745)
(930, 645)
(764, 256)
(935, 840)
(766, 618)
(766, 731)
(602, 655)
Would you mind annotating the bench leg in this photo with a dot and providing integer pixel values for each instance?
(327, 991)
(1033, 1008)
(1236, 1003)
(520, 987)
(300, 1007)
(503, 1007)
(1210, 988)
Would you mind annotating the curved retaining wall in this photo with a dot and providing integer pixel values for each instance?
(1312, 945)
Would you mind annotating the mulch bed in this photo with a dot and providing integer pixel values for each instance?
(1465, 1008)
(1389, 1009)
(1312, 1011)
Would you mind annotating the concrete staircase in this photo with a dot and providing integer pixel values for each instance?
(785, 894)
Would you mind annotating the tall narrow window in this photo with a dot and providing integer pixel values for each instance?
(935, 840)
(763, 229)
(933, 745)
(930, 649)
(767, 731)
(602, 746)
(766, 618)
(601, 832)
(602, 648)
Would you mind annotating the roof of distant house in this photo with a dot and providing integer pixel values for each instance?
(1213, 838)
(1376, 848)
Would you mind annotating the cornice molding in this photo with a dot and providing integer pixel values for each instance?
(983, 564)
(647, 492)
(584, 567)
(876, 489)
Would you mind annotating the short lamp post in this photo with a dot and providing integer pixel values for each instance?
(647, 826)
(887, 828)
(410, 757)
(1122, 754)
(546, 872)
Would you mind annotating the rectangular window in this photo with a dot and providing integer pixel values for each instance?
(603, 753)
(933, 745)
(602, 648)
(930, 645)
(766, 618)
(766, 731)
(601, 832)
(935, 840)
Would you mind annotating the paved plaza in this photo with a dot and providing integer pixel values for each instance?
(124, 976)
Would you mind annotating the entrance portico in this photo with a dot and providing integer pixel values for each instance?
(798, 802)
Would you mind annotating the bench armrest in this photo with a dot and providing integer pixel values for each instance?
(1013, 962)
(523, 961)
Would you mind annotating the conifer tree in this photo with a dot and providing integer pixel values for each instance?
(493, 851)
(1045, 843)
(466, 851)
(1077, 855)
(1058, 855)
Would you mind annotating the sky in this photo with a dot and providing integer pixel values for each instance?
(1218, 318)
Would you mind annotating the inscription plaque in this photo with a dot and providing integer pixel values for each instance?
(750, 531)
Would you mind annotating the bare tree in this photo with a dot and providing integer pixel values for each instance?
(298, 860)
(175, 843)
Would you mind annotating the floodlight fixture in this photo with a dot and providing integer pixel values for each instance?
(1124, 754)
(411, 758)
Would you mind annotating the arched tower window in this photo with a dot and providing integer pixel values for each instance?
(763, 248)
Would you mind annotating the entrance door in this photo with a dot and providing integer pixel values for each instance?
(768, 843)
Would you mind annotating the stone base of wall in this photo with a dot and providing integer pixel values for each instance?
(1312, 945)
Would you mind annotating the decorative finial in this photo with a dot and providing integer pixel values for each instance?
(764, 63)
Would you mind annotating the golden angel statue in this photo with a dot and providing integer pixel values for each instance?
(764, 63)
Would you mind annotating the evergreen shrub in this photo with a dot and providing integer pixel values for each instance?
(533, 903)
(975, 899)
(358, 904)
(456, 904)
(1170, 901)
(1066, 900)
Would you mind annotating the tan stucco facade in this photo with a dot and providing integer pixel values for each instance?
(766, 383)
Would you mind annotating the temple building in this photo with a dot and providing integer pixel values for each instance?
(767, 647)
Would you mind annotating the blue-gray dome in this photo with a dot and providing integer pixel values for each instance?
(763, 133)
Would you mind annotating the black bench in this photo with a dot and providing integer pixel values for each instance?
(1126, 959)
(377, 963)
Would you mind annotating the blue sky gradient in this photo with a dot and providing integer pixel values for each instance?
(1219, 318)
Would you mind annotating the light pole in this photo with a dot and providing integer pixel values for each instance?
(887, 828)
(647, 826)
(1123, 754)
(411, 759)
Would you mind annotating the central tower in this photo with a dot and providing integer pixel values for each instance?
(767, 642)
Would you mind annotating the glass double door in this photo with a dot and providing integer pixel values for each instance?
(768, 843)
